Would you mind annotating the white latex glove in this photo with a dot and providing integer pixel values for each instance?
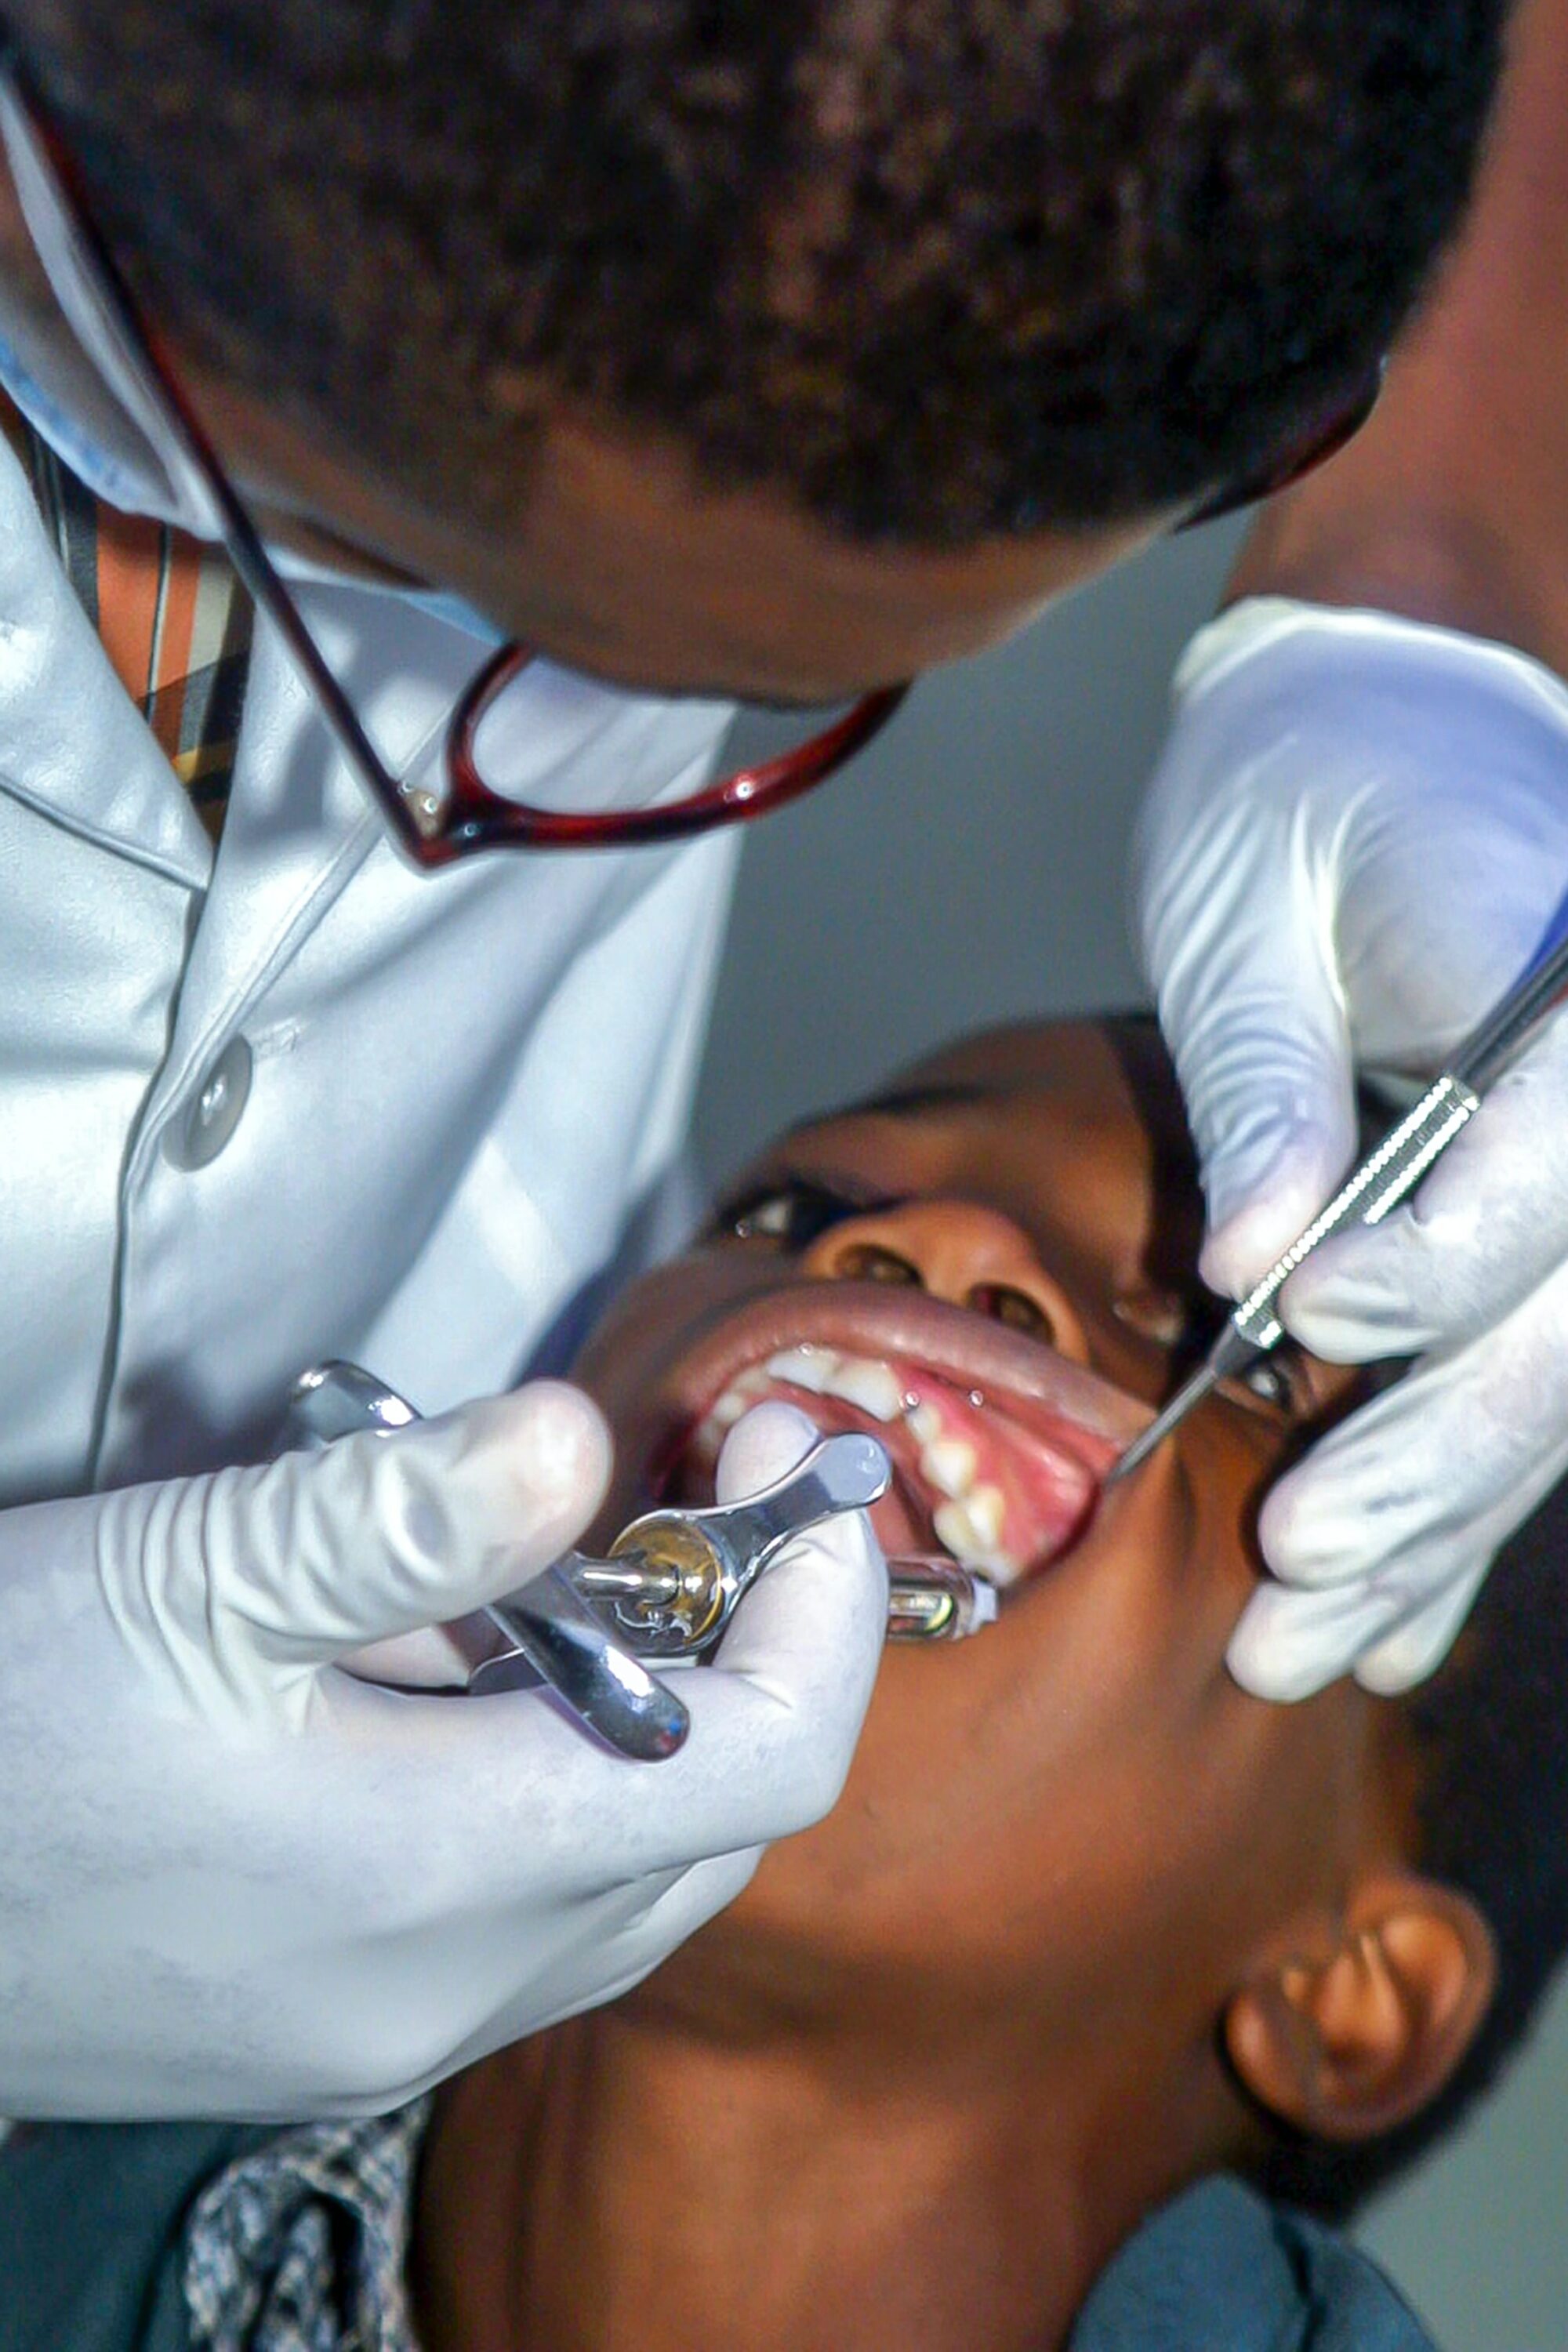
(236, 1880)
(1355, 839)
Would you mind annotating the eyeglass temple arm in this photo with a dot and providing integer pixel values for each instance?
(431, 830)
(412, 814)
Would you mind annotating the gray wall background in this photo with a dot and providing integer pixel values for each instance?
(969, 868)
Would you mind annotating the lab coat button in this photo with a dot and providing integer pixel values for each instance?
(208, 1124)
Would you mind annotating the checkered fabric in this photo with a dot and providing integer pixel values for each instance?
(172, 615)
(300, 2247)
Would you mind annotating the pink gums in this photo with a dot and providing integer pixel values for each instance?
(1047, 1470)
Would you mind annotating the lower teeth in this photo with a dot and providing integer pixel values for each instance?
(956, 1532)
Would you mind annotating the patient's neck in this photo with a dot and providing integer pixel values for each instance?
(620, 2182)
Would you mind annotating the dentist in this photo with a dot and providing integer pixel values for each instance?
(708, 352)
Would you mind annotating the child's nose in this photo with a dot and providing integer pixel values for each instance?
(969, 1255)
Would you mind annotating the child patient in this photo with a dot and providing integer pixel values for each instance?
(1089, 1922)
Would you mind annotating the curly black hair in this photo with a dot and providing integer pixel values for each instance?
(932, 269)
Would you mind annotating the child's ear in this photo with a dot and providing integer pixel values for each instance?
(1361, 2036)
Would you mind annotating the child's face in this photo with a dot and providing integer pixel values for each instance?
(1076, 1814)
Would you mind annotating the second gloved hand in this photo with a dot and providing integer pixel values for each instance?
(236, 1880)
(1355, 840)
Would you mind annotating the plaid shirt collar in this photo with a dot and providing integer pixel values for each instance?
(300, 2247)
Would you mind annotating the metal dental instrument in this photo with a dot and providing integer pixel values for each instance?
(665, 1607)
(933, 1599)
(674, 1578)
(671, 1583)
(1380, 1182)
(544, 1623)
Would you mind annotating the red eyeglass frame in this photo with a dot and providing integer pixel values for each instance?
(484, 819)
(433, 832)
(1322, 437)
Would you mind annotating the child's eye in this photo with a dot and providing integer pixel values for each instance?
(792, 1212)
(1272, 1381)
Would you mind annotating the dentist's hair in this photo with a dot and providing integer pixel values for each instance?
(932, 268)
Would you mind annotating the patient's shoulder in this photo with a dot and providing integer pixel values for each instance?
(91, 2222)
(1219, 2264)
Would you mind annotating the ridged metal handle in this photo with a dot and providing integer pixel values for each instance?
(1366, 1198)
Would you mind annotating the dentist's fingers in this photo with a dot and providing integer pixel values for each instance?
(1237, 920)
(1381, 1537)
(1449, 1462)
(1358, 833)
(774, 1719)
(1389, 1630)
(237, 1586)
(1421, 1640)
(378, 1535)
(1488, 1225)
(1290, 1644)
(1280, 1160)
(797, 1667)
(765, 1445)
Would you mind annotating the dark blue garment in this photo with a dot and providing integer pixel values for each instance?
(93, 2221)
(1221, 2270)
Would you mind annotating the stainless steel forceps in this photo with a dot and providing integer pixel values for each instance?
(672, 1581)
(1381, 1182)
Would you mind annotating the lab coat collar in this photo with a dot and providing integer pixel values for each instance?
(298, 824)
(72, 744)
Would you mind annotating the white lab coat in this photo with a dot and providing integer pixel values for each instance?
(461, 1086)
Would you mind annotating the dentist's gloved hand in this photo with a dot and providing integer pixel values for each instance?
(236, 1880)
(1354, 841)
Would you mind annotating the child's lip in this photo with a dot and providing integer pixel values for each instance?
(1044, 1449)
(967, 1350)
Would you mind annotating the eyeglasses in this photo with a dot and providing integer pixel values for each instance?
(1322, 437)
(434, 829)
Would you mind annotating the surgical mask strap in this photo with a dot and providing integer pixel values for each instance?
(97, 332)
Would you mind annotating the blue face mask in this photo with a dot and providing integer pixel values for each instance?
(441, 604)
(95, 418)
(122, 471)
(444, 604)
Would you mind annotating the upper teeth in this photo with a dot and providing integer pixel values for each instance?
(858, 1379)
(949, 1464)
(969, 1521)
(969, 1529)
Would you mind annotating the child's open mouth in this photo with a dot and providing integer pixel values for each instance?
(1003, 1478)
